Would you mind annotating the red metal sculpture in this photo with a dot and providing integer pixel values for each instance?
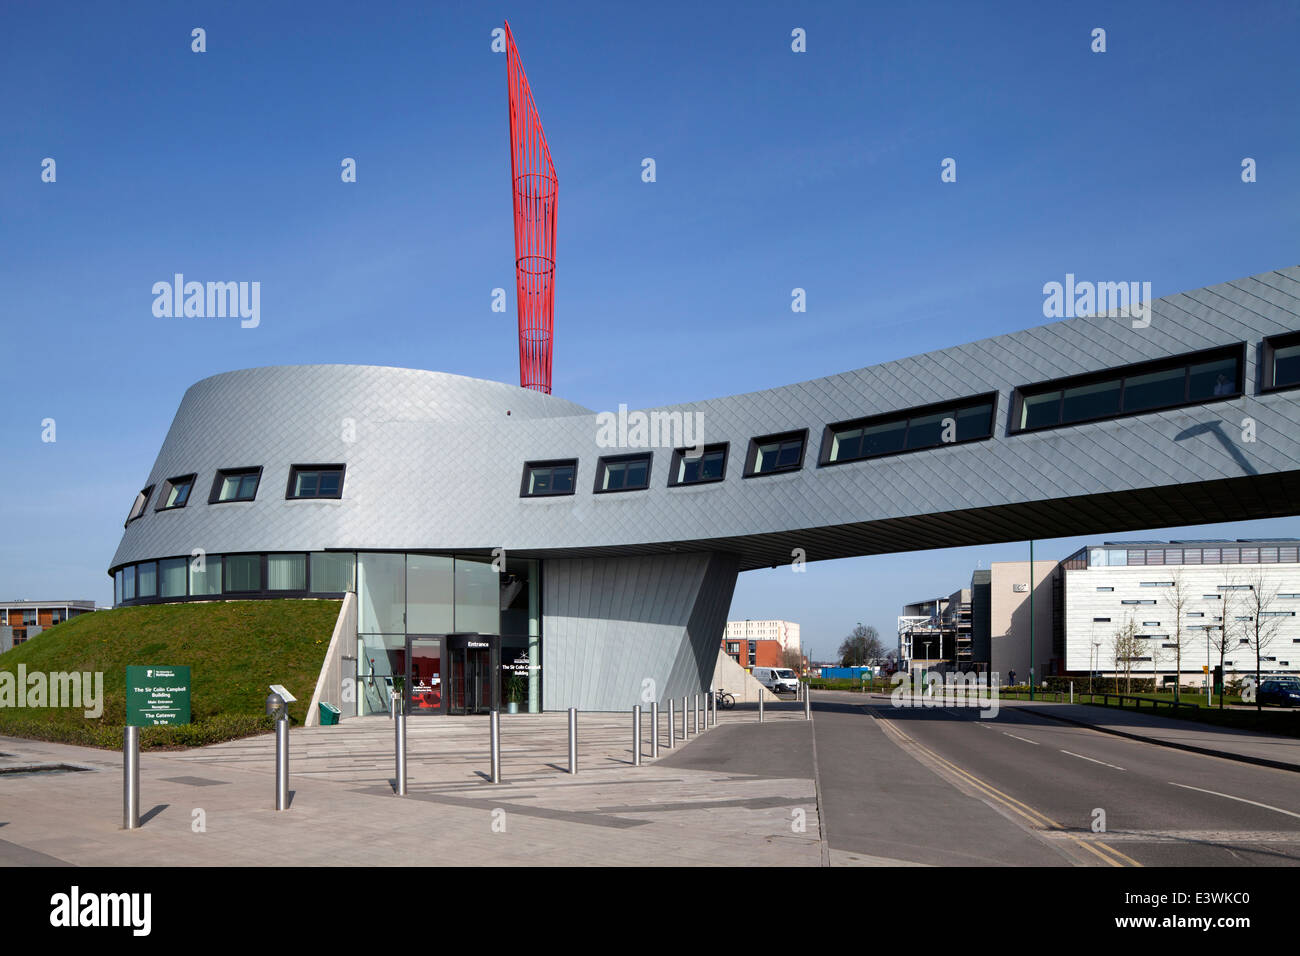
(533, 183)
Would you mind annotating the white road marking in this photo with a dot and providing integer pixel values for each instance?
(1025, 739)
(1228, 796)
(1102, 762)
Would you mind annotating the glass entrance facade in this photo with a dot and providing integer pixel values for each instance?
(412, 606)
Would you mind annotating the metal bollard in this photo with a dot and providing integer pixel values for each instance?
(494, 723)
(573, 740)
(713, 704)
(695, 715)
(760, 705)
(685, 731)
(672, 725)
(131, 779)
(636, 735)
(807, 703)
(399, 732)
(654, 729)
(282, 763)
(1072, 692)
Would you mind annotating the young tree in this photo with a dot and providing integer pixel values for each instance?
(1179, 597)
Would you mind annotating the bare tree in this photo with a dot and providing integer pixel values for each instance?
(1124, 648)
(1262, 627)
(792, 659)
(861, 647)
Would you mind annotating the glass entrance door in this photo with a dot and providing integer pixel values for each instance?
(424, 687)
(473, 673)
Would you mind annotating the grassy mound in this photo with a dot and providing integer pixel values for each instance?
(235, 650)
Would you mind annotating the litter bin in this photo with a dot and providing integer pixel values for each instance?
(329, 714)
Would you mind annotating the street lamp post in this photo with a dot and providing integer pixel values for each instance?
(1031, 619)
(1096, 659)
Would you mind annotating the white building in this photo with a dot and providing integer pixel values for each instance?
(1234, 593)
(787, 632)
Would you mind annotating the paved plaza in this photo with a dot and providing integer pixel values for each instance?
(215, 805)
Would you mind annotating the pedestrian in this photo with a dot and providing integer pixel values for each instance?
(1012, 677)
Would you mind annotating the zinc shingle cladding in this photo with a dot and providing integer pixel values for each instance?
(434, 461)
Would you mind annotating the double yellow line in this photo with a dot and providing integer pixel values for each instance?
(1036, 820)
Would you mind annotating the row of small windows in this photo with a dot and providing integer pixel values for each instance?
(241, 484)
(1194, 378)
(858, 440)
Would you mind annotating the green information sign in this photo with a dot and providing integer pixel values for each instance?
(157, 695)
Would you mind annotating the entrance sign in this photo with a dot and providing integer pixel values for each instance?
(157, 695)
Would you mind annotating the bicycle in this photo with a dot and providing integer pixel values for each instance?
(724, 700)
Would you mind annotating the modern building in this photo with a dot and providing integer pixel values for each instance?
(519, 545)
(22, 620)
(760, 643)
(1130, 605)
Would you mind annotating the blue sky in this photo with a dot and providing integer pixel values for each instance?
(775, 170)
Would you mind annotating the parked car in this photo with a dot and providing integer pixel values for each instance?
(777, 679)
(1280, 690)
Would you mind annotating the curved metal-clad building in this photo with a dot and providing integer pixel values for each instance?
(614, 551)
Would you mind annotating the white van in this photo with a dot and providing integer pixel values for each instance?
(777, 679)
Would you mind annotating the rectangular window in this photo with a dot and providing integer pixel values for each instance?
(1105, 589)
(243, 573)
(1281, 361)
(1157, 584)
(1101, 620)
(1196, 614)
(117, 587)
(315, 481)
(381, 593)
(171, 577)
(545, 478)
(774, 454)
(1150, 623)
(332, 573)
(478, 596)
(286, 572)
(235, 484)
(1166, 383)
(138, 506)
(430, 594)
(175, 492)
(1211, 597)
(128, 583)
(623, 473)
(1137, 602)
(916, 429)
(706, 467)
(205, 575)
